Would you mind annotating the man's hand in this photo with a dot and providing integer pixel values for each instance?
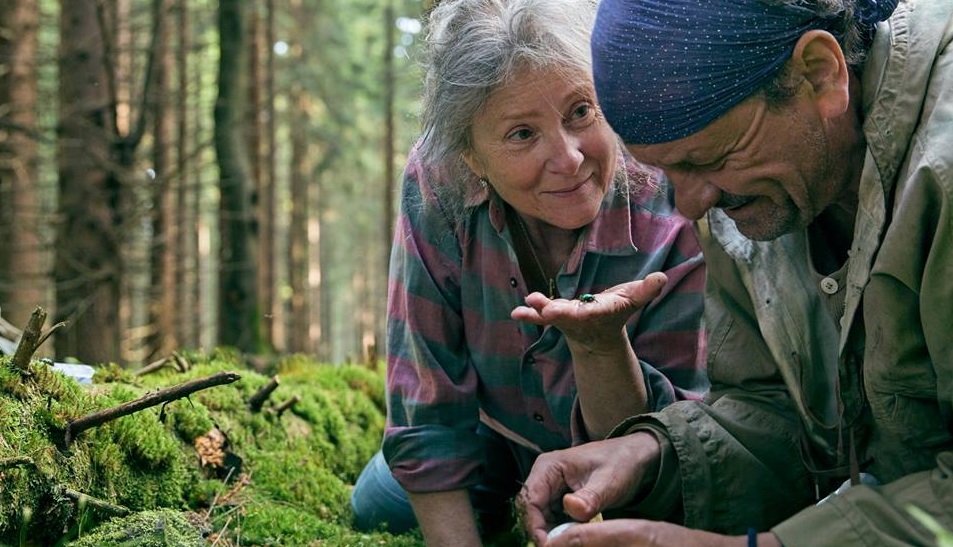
(584, 480)
(647, 533)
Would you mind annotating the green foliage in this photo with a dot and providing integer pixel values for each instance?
(292, 487)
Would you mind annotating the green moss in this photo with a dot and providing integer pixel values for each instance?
(161, 528)
(270, 523)
(298, 466)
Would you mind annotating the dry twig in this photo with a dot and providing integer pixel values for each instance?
(98, 418)
(280, 409)
(85, 499)
(29, 341)
(256, 401)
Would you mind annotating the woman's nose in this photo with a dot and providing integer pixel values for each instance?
(565, 154)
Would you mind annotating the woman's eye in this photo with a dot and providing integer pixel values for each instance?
(582, 111)
(520, 135)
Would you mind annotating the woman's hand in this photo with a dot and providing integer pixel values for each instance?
(592, 324)
(609, 380)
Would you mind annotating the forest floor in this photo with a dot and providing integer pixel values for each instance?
(266, 458)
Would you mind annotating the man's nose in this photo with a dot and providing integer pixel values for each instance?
(694, 194)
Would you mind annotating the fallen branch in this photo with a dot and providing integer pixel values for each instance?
(256, 401)
(15, 461)
(152, 367)
(279, 410)
(29, 341)
(85, 499)
(181, 363)
(8, 331)
(100, 417)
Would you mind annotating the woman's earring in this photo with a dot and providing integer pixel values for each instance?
(484, 182)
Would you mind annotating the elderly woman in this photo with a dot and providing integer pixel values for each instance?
(542, 286)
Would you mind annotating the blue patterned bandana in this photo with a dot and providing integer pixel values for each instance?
(665, 69)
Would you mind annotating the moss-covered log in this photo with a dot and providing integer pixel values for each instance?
(295, 479)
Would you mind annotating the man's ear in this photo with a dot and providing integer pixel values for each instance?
(820, 60)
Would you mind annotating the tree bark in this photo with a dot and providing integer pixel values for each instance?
(298, 248)
(263, 206)
(166, 217)
(24, 275)
(269, 197)
(239, 321)
(87, 264)
(187, 246)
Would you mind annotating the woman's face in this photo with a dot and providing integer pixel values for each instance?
(543, 145)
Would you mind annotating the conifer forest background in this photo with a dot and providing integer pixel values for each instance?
(197, 200)
(193, 174)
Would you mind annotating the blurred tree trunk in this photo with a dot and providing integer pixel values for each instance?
(378, 290)
(298, 248)
(269, 197)
(166, 219)
(88, 267)
(262, 196)
(239, 320)
(186, 282)
(102, 252)
(320, 264)
(24, 277)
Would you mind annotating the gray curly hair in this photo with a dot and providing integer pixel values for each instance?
(474, 47)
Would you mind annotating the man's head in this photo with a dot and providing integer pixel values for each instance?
(746, 104)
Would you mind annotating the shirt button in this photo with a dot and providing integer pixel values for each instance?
(538, 417)
(829, 285)
(513, 282)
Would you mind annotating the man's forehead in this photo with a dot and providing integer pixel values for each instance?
(692, 149)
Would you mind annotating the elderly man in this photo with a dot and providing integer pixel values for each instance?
(813, 142)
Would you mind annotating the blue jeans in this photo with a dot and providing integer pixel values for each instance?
(379, 502)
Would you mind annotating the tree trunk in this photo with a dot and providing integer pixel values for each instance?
(239, 321)
(379, 286)
(263, 210)
(87, 269)
(24, 276)
(166, 218)
(186, 247)
(269, 197)
(298, 263)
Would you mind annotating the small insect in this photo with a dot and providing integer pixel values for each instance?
(586, 298)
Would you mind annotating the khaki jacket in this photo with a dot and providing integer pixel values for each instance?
(805, 366)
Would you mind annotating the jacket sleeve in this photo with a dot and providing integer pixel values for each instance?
(668, 336)
(736, 455)
(430, 442)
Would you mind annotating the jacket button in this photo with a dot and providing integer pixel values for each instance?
(513, 282)
(538, 417)
(829, 285)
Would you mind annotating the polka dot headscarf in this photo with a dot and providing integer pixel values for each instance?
(665, 69)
